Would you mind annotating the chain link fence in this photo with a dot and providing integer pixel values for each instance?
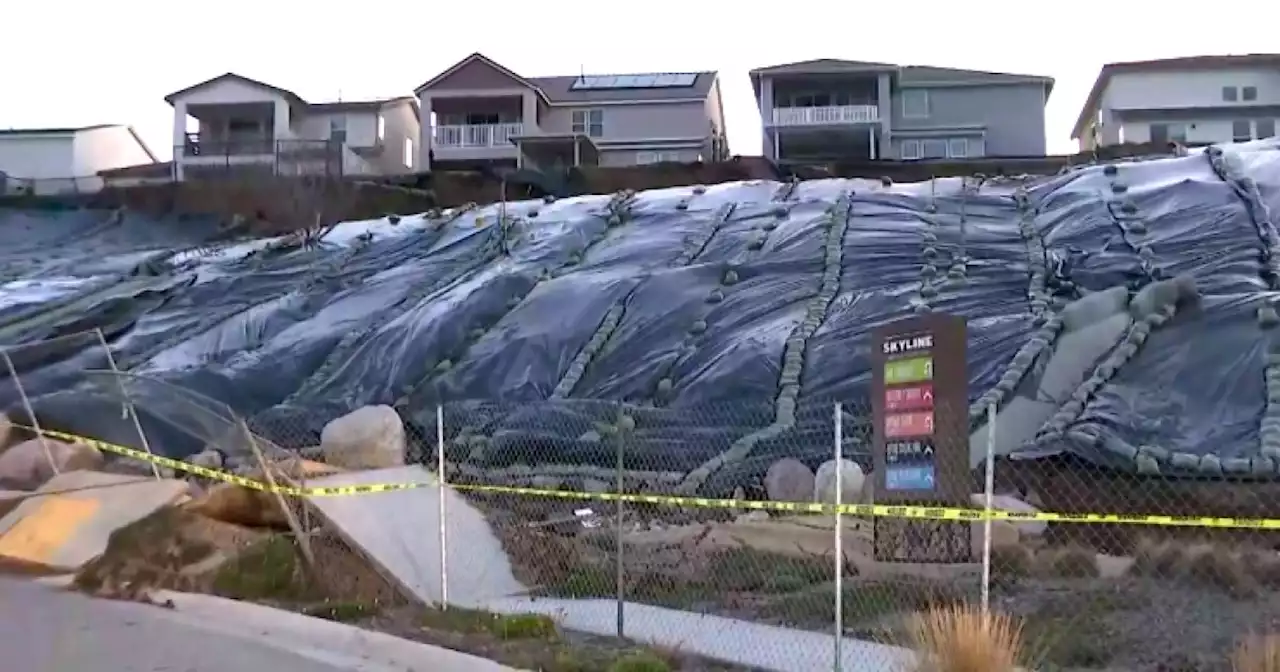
(718, 526)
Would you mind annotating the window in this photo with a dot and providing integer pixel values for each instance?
(481, 119)
(1229, 94)
(910, 150)
(1241, 131)
(1266, 128)
(382, 128)
(934, 148)
(643, 158)
(915, 103)
(408, 152)
(338, 129)
(589, 123)
(1249, 93)
(957, 148)
(1169, 133)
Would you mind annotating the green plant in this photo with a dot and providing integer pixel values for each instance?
(641, 661)
(267, 570)
(523, 626)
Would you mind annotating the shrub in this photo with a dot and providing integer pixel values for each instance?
(964, 638)
(640, 662)
(1257, 654)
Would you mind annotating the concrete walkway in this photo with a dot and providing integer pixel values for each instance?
(400, 531)
(50, 630)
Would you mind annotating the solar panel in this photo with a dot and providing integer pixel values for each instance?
(659, 80)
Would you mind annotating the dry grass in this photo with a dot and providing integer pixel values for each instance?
(1257, 654)
(1069, 562)
(963, 638)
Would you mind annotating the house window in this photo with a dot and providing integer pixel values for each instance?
(1229, 94)
(958, 148)
(915, 103)
(1249, 93)
(1169, 133)
(408, 152)
(910, 150)
(338, 129)
(643, 158)
(382, 127)
(934, 148)
(589, 123)
(1241, 131)
(1266, 128)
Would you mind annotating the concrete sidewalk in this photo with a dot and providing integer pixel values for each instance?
(52, 630)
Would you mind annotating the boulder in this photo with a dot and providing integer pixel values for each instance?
(236, 505)
(1003, 533)
(852, 482)
(788, 480)
(6, 431)
(27, 467)
(10, 499)
(1012, 505)
(371, 437)
(209, 458)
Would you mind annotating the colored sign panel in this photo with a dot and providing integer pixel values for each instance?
(908, 398)
(910, 465)
(908, 370)
(901, 425)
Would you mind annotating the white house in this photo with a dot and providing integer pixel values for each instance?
(1196, 100)
(246, 126)
(65, 160)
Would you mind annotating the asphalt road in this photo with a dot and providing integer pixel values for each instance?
(46, 630)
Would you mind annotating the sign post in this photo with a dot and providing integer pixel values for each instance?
(920, 409)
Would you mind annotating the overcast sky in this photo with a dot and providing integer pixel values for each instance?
(76, 62)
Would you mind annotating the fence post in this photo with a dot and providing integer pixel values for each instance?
(31, 412)
(129, 408)
(838, 427)
(988, 491)
(444, 535)
(620, 578)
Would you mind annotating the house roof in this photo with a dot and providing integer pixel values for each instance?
(1163, 65)
(339, 106)
(907, 73)
(28, 132)
(559, 89)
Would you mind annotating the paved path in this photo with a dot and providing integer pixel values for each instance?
(50, 630)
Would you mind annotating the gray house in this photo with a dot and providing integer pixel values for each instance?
(832, 109)
(480, 112)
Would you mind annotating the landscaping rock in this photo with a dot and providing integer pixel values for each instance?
(371, 437)
(1003, 534)
(789, 480)
(240, 506)
(6, 430)
(1012, 505)
(27, 466)
(852, 482)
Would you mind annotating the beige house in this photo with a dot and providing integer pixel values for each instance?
(478, 112)
(244, 125)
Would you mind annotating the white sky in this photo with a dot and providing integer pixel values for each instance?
(77, 62)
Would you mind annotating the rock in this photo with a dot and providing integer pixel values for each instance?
(1012, 505)
(240, 506)
(371, 437)
(1003, 533)
(9, 500)
(209, 458)
(788, 480)
(27, 466)
(753, 517)
(6, 431)
(852, 481)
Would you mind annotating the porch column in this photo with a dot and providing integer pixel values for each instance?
(776, 151)
(529, 113)
(577, 153)
(280, 121)
(426, 132)
(179, 137)
(871, 140)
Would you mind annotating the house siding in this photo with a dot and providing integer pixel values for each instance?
(651, 123)
(1011, 116)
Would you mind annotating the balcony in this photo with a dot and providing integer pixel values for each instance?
(477, 136)
(830, 115)
(196, 144)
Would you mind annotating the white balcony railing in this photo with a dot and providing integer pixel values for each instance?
(831, 114)
(477, 135)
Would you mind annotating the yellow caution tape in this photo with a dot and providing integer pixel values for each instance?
(869, 510)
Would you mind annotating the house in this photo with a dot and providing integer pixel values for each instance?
(1195, 100)
(66, 160)
(245, 126)
(481, 113)
(829, 109)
